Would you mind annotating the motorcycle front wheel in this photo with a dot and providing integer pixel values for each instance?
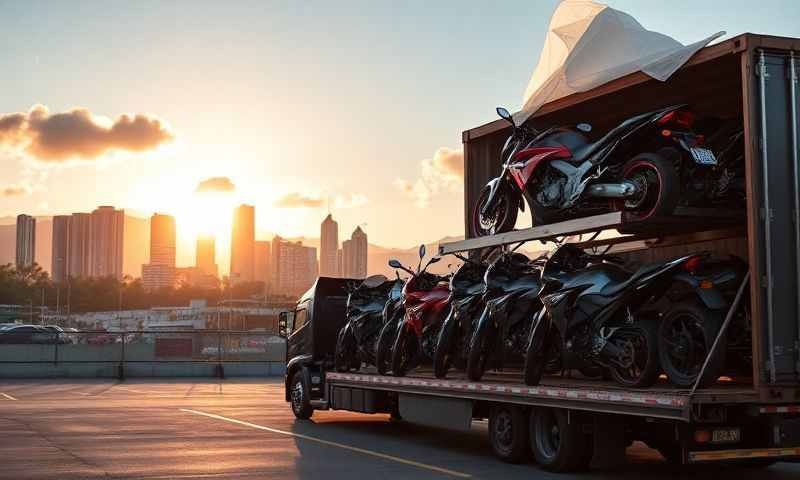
(383, 347)
(639, 366)
(480, 348)
(536, 355)
(405, 350)
(345, 358)
(503, 219)
(445, 347)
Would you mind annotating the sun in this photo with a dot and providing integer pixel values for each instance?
(205, 214)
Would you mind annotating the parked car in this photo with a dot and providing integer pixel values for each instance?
(25, 334)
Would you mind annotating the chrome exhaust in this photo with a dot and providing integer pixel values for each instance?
(612, 190)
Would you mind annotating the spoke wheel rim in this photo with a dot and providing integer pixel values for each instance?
(503, 431)
(548, 434)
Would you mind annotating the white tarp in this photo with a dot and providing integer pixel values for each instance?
(589, 44)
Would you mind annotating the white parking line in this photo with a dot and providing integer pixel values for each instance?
(9, 397)
(332, 444)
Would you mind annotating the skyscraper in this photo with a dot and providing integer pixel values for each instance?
(205, 255)
(243, 243)
(59, 269)
(160, 272)
(107, 229)
(329, 245)
(354, 255)
(261, 259)
(294, 267)
(79, 253)
(26, 240)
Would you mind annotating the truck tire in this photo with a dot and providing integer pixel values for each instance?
(383, 348)
(685, 336)
(508, 432)
(558, 442)
(301, 405)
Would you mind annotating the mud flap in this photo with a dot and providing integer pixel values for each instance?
(608, 441)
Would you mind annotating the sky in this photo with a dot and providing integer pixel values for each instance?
(356, 106)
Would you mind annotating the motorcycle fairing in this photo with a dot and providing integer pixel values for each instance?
(526, 161)
(425, 303)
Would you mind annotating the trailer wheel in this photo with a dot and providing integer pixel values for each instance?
(301, 406)
(558, 442)
(508, 432)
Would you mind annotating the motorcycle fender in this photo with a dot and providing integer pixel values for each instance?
(494, 187)
(712, 298)
(484, 318)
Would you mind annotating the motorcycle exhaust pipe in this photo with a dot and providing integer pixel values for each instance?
(612, 190)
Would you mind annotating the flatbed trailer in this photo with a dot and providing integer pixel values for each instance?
(571, 422)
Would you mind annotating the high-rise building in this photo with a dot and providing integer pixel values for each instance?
(107, 231)
(205, 255)
(294, 267)
(79, 252)
(26, 240)
(328, 248)
(261, 258)
(160, 272)
(243, 244)
(354, 255)
(59, 269)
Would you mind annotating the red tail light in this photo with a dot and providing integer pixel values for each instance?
(692, 264)
(681, 118)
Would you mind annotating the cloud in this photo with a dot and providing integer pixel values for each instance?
(299, 200)
(442, 173)
(216, 184)
(352, 200)
(16, 190)
(78, 134)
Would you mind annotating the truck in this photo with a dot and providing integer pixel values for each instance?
(570, 422)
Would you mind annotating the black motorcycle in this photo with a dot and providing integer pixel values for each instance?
(466, 303)
(596, 307)
(562, 175)
(393, 314)
(357, 338)
(512, 284)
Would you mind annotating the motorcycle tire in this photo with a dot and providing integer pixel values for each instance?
(642, 338)
(536, 360)
(662, 186)
(507, 209)
(480, 350)
(685, 336)
(445, 348)
(383, 348)
(404, 351)
(343, 357)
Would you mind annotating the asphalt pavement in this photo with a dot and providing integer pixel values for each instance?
(243, 429)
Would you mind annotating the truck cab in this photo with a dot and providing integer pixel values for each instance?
(310, 331)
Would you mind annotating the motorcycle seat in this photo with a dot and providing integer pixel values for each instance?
(615, 288)
(582, 153)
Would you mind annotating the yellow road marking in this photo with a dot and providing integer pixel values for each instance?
(8, 396)
(132, 390)
(332, 444)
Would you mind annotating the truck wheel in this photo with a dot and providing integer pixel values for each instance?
(445, 348)
(383, 348)
(404, 351)
(479, 351)
(685, 336)
(301, 406)
(508, 432)
(558, 441)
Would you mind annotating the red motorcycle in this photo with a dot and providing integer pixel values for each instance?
(426, 300)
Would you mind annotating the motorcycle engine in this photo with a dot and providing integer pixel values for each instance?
(551, 189)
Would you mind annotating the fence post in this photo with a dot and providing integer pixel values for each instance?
(121, 371)
(220, 369)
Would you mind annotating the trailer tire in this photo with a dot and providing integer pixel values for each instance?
(558, 442)
(508, 432)
(301, 405)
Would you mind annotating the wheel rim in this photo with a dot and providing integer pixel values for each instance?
(297, 396)
(487, 225)
(633, 361)
(648, 183)
(686, 344)
(548, 435)
(503, 431)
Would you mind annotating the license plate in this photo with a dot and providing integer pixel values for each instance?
(726, 435)
(704, 156)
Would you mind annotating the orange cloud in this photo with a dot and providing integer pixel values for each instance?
(216, 184)
(15, 191)
(442, 173)
(298, 200)
(78, 134)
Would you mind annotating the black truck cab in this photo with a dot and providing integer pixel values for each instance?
(310, 332)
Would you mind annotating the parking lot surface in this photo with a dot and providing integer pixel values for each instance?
(244, 429)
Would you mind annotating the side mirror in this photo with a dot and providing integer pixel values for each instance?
(506, 115)
(285, 323)
(421, 251)
(395, 264)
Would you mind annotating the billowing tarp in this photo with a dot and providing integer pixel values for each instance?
(589, 44)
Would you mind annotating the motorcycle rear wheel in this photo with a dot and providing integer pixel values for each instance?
(641, 343)
(505, 214)
(659, 183)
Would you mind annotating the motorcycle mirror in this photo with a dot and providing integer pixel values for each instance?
(505, 115)
(584, 127)
(421, 251)
(395, 264)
